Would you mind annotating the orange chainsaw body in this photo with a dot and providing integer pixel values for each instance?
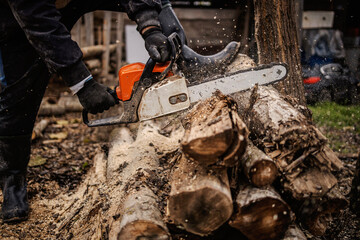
(130, 74)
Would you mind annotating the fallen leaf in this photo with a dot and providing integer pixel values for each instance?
(59, 135)
(62, 122)
(51, 141)
(37, 161)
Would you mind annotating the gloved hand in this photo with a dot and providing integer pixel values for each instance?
(95, 97)
(157, 45)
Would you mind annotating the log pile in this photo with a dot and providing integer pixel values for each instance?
(253, 162)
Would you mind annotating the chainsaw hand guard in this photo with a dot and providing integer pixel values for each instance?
(132, 87)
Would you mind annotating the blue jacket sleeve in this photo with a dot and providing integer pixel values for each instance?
(40, 20)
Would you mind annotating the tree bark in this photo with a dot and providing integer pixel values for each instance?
(276, 37)
(200, 198)
(214, 133)
(261, 213)
(355, 189)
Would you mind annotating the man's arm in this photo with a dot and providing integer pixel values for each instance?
(39, 19)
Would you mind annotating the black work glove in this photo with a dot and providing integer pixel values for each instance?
(95, 97)
(157, 45)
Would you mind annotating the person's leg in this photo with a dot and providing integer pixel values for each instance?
(22, 88)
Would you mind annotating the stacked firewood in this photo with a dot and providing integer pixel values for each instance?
(280, 173)
(253, 161)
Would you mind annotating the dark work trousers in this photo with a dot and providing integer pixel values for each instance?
(26, 78)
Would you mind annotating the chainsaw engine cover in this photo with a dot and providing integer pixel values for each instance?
(165, 97)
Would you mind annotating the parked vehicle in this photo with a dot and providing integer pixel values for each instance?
(330, 82)
(325, 74)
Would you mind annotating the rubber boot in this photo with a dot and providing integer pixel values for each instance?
(194, 66)
(14, 157)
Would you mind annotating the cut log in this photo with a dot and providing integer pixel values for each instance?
(47, 109)
(285, 134)
(93, 63)
(70, 103)
(294, 233)
(260, 213)
(141, 217)
(214, 133)
(259, 168)
(93, 51)
(39, 128)
(315, 213)
(200, 198)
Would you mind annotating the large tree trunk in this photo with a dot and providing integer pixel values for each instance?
(276, 37)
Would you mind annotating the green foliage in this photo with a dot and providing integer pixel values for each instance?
(340, 124)
(341, 117)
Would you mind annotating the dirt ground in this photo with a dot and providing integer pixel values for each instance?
(63, 155)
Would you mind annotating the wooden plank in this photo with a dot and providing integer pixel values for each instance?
(106, 36)
(119, 40)
(205, 14)
(89, 29)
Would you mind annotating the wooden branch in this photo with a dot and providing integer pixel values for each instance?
(92, 51)
(200, 198)
(47, 109)
(70, 103)
(214, 133)
(260, 213)
(93, 63)
(259, 168)
(39, 128)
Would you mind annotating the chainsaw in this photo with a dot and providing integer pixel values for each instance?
(151, 90)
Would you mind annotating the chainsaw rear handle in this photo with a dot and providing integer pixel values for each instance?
(97, 122)
(129, 114)
(130, 107)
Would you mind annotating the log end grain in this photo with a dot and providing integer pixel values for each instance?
(200, 212)
(141, 217)
(261, 213)
(263, 173)
(207, 149)
(266, 219)
(143, 230)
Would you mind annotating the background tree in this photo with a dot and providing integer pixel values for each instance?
(277, 41)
